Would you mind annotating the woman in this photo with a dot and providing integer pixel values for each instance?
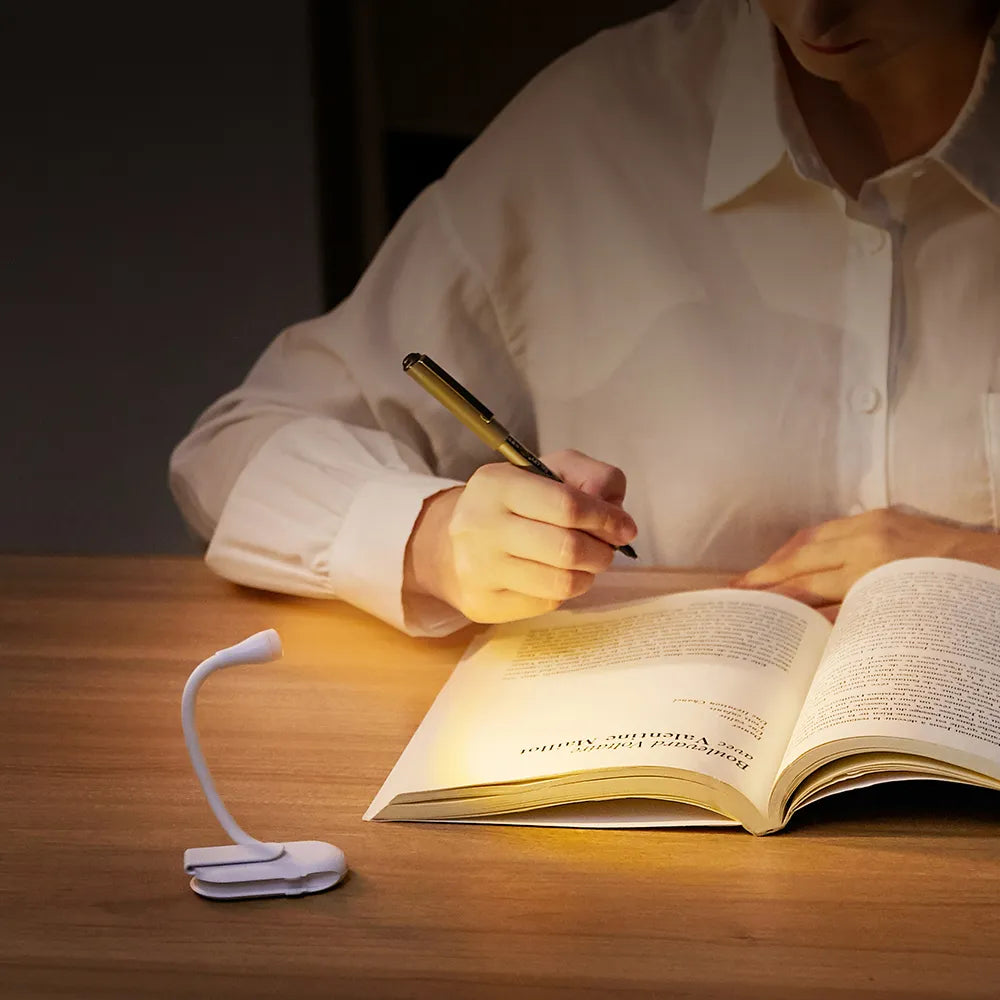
(748, 254)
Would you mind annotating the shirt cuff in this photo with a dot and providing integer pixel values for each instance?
(365, 560)
(325, 510)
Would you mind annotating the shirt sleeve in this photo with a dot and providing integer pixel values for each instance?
(308, 478)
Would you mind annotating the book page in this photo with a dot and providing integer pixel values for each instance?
(915, 655)
(710, 682)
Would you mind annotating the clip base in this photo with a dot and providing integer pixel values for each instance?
(301, 867)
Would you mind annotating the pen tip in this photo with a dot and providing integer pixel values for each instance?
(627, 550)
(410, 359)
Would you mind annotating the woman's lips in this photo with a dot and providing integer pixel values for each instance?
(832, 50)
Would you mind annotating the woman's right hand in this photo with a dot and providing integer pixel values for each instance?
(511, 544)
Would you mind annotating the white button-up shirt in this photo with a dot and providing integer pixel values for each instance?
(643, 258)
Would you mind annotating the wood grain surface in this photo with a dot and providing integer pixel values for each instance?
(890, 893)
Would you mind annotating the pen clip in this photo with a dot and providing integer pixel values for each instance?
(458, 389)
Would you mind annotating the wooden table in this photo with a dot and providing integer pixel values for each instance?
(876, 895)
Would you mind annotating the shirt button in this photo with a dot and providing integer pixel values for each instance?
(875, 240)
(865, 399)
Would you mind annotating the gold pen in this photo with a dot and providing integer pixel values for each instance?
(456, 398)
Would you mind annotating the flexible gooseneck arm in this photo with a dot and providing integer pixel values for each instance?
(259, 648)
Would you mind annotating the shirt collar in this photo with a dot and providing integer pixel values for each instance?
(971, 146)
(748, 140)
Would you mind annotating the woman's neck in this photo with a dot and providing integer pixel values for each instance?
(891, 113)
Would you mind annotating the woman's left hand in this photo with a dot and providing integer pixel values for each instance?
(818, 565)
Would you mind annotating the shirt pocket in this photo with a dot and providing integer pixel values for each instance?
(991, 432)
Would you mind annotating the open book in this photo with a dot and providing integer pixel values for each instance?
(713, 707)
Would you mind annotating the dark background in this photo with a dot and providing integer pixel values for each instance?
(181, 181)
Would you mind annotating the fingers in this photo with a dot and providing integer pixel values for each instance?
(800, 561)
(805, 569)
(822, 548)
(522, 588)
(797, 541)
(521, 544)
(818, 565)
(539, 580)
(548, 502)
(563, 548)
(814, 589)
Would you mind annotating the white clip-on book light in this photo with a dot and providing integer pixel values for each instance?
(249, 867)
